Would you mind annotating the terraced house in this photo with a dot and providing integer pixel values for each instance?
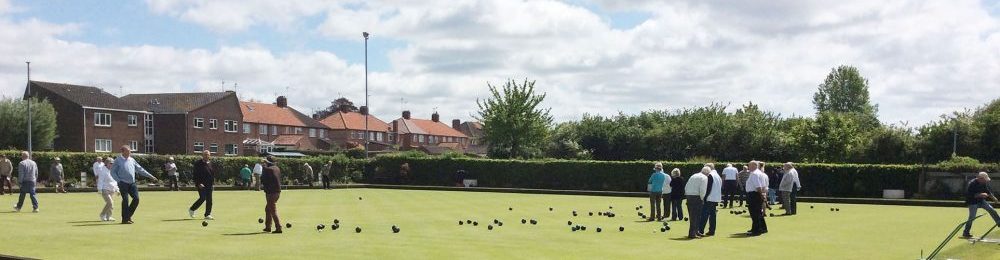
(269, 127)
(347, 130)
(431, 136)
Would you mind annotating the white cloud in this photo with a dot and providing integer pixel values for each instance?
(923, 58)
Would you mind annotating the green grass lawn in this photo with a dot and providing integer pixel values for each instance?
(67, 228)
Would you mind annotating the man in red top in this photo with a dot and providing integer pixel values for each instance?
(271, 180)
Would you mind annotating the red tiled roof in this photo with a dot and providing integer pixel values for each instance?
(354, 121)
(288, 140)
(426, 127)
(272, 114)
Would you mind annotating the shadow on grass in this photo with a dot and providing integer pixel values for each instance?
(683, 239)
(88, 221)
(181, 219)
(246, 234)
(98, 224)
(741, 235)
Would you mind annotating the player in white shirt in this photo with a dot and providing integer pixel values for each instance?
(730, 187)
(756, 188)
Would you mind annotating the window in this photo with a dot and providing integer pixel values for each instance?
(148, 124)
(414, 138)
(199, 122)
(232, 149)
(274, 130)
(421, 137)
(213, 124)
(262, 129)
(392, 138)
(288, 130)
(149, 146)
(371, 135)
(133, 146)
(133, 120)
(322, 133)
(102, 119)
(214, 148)
(298, 130)
(102, 145)
(247, 128)
(312, 132)
(199, 146)
(229, 126)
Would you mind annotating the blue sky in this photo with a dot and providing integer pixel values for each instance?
(591, 56)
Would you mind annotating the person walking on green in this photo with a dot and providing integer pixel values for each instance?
(245, 174)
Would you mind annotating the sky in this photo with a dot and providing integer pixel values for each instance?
(922, 59)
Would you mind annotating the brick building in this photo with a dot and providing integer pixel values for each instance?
(474, 130)
(91, 120)
(277, 126)
(347, 130)
(192, 122)
(428, 135)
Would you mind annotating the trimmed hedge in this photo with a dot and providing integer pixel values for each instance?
(345, 170)
(827, 180)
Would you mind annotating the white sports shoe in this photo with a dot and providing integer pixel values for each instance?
(209, 217)
(191, 213)
(34, 211)
(17, 209)
(111, 219)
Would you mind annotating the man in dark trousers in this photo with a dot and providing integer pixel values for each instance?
(325, 174)
(978, 194)
(271, 180)
(756, 188)
(204, 179)
(124, 170)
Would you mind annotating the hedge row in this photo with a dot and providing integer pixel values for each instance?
(344, 169)
(833, 180)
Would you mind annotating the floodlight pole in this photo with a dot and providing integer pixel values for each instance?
(365, 34)
(27, 94)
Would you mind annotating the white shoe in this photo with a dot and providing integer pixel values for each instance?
(34, 211)
(16, 209)
(191, 213)
(111, 219)
(209, 217)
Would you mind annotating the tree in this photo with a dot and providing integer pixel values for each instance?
(335, 106)
(846, 91)
(562, 143)
(513, 123)
(987, 119)
(15, 124)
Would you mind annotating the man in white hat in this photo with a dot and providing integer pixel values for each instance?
(171, 169)
(56, 175)
(976, 196)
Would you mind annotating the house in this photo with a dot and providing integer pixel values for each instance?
(269, 127)
(91, 120)
(347, 129)
(414, 133)
(474, 130)
(188, 123)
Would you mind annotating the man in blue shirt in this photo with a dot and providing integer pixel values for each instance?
(656, 192)
(124, 170)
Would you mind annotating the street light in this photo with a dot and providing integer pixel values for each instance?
(28, 95)
(365, 34)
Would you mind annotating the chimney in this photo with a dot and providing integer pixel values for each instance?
(435, 117)
(363, 110)
(406, 114)
(456, 124)
(282, 101)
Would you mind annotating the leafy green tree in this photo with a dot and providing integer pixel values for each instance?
(336, 106)
(846, 91)
(987, 119)
(563, 143)
(937, 139)
(13, 114)
(513, 123)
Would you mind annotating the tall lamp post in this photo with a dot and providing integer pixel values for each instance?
(365, 34)
(28, 95)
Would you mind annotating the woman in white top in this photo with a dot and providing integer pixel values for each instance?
(106, 186)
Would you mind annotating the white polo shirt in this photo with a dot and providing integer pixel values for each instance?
(697, 185)
(730, 173)
(716, 195)
(757, 180)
